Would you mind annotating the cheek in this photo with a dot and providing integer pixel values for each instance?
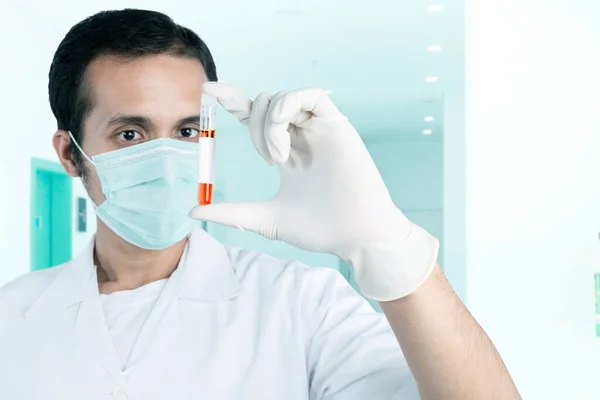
(93, 186)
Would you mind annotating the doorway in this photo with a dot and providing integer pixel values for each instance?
(51, 209)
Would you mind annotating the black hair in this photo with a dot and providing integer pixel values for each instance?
(126, 33)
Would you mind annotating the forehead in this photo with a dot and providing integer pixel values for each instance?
(150, 85)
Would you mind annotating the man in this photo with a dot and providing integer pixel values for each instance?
(156, 309)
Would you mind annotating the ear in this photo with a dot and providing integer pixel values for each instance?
(61, 142)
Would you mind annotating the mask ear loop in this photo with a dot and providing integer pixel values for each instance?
(80, 149)
(86, 156)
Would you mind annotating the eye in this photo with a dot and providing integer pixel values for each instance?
(129, 136)
(188, 133)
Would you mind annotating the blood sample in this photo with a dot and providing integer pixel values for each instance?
(206, 153)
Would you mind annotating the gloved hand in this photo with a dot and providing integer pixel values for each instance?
(331, 197)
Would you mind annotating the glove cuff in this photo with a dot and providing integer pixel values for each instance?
(392, 269)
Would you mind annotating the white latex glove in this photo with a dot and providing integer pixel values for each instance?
(331, 198)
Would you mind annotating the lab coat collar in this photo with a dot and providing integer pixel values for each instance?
(69, 286)
(205, 273)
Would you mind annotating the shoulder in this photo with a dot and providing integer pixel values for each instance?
(259, 268)
(316, 289)
(27, 288)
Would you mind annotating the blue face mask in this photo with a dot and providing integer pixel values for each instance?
(150, 189)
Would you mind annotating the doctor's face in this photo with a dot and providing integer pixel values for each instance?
(136, 100)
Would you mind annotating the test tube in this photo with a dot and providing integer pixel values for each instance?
(206, 153)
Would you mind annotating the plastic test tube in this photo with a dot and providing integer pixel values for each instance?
(206, 153)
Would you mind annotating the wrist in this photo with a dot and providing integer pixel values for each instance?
(393, 268)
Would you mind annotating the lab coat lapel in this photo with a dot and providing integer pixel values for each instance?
(77, 284)
(161, 316)
(92, 330)
(68, 287)
(204, 273)
(208, 273)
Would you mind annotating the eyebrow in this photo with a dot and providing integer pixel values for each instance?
(192, 119)
(128, 120)
(144, 121)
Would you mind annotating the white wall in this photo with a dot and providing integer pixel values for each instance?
(533, 192)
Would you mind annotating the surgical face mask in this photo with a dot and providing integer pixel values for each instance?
(150, 189)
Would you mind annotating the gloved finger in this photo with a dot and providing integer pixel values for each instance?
(277, 136)
(290, 106)
(258, 117)
(231, 99)
(254, 217)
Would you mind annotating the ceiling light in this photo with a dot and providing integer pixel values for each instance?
(434, 48)
(432, 79)
(435, 8)
(429, 119)
(427, 132)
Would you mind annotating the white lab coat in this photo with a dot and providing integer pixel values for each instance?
(230, 324)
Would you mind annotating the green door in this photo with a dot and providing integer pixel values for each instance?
(41, 220)
(51, 211)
